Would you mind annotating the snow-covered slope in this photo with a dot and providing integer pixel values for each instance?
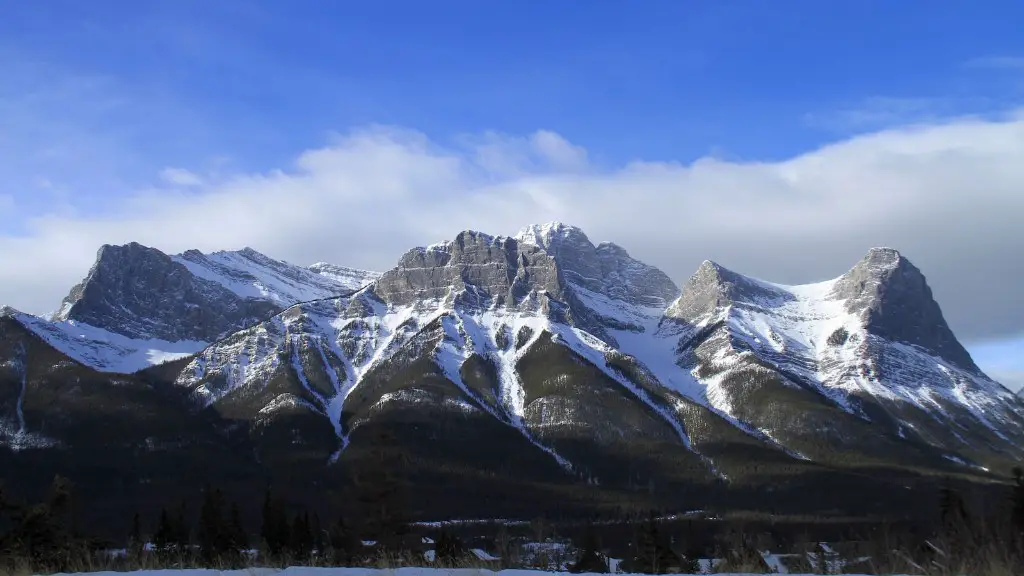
(138, 307)
(871, 342)
(863, 362)
(842, 344)
(250, 274)
(104, 350)
(477, 301)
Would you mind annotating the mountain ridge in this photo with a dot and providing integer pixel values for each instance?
(581, 365)
(138, 306)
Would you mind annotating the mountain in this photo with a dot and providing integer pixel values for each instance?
(139, 307)
(541, 366)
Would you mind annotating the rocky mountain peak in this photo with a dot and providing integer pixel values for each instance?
(112, 262)
(140, 292)
(483, 266)
(714, 286)
(553, 258)
(896, 302)
(552, 235)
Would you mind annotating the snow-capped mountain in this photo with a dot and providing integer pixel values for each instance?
(804, 370)
(535, 361)
(138, 306)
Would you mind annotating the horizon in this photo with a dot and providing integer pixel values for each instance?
(780, 143)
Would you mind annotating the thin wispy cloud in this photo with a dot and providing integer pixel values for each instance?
(180, 177)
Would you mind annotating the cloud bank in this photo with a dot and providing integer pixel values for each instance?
(950, 196)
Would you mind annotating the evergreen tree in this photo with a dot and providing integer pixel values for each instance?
(275, 533)
(448, 549)
(1017, 505)
(345, 545)
(135, 540)
(589, 559)
(955, 520)
(318, 535)
(239, 540)
(379, 492)
(213, 537)
(41, 533)
(301, 539)
(653, 553)
(182, 535)
(267, 527)
(164, 537)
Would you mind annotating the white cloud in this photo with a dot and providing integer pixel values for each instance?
(948, 195)
(180, 177)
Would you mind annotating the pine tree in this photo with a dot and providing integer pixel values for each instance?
(164, 537)
(135, 541)
(267, 528)
(653, 554)
(380, 494)
(345, 545)
(213, 536)
(182, 536)
(956, 525)
(41, 533)
(1017, 504)
(589, 559)
(275, 533)
(318, 535)
(956, 522)
(239, 541)
(301, 538)
(448, 549)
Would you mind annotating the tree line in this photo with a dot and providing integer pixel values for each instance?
(43, 536)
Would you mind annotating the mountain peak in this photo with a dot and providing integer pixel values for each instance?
(112, 261)
(880, 260)
(546, 234)
(712, 286)
(252, 254)
(897, 303)
(118, 251)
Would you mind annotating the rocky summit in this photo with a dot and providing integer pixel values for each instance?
(539, 365)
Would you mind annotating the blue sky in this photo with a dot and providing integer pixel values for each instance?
(254, 81)
(101, 100)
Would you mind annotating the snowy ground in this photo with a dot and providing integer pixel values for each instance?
(339, 572)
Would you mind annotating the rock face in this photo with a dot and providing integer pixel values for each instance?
(541, 361)
(861, 367)
(482, 267)
(141, 292)
(899, 305)
(606, 269)
(139, 307)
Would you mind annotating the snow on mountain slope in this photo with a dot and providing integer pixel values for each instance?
(250, 274)
(872, 339)
(104, 350)
(138, 307)
(350, 336)
(482, 308)
(353, 278)
(822, 335)
(837, 337)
